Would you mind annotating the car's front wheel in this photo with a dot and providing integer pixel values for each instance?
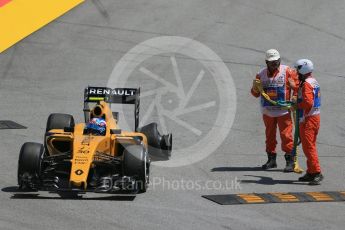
(29, 165)
(135, 164)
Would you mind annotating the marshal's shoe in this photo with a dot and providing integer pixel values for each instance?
(271, 162)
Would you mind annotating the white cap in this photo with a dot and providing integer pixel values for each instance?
(272, 55)
(304, 66)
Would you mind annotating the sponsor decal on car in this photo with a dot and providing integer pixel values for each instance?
(118, 92)
(79, 172)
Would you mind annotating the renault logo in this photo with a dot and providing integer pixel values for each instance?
(79, 172)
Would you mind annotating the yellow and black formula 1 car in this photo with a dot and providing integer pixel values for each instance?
(95, 155)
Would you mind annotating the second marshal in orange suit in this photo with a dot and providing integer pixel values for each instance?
(279, 82)
(309, 103)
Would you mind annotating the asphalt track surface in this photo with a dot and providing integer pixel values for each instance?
(47, 72)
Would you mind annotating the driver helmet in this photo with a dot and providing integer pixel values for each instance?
(96, 126)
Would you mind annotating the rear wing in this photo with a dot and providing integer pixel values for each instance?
(116, 95)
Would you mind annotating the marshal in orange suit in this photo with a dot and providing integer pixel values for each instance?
(309, 103)
(279, 82)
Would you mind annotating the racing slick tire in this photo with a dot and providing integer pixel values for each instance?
(136, 164)
(29, 165)
(59, 121)
(160, 146)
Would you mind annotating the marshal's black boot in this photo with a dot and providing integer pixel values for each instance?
(290, 164)
(318, 177)
(271, 162)
(312, 178)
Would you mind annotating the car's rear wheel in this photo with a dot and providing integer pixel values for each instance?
(29, 165)
(59, 121)
(135, 164)
(160, 146)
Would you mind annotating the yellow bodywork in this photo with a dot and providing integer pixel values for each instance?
(86, 147)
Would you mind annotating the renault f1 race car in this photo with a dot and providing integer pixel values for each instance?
(95, 155)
